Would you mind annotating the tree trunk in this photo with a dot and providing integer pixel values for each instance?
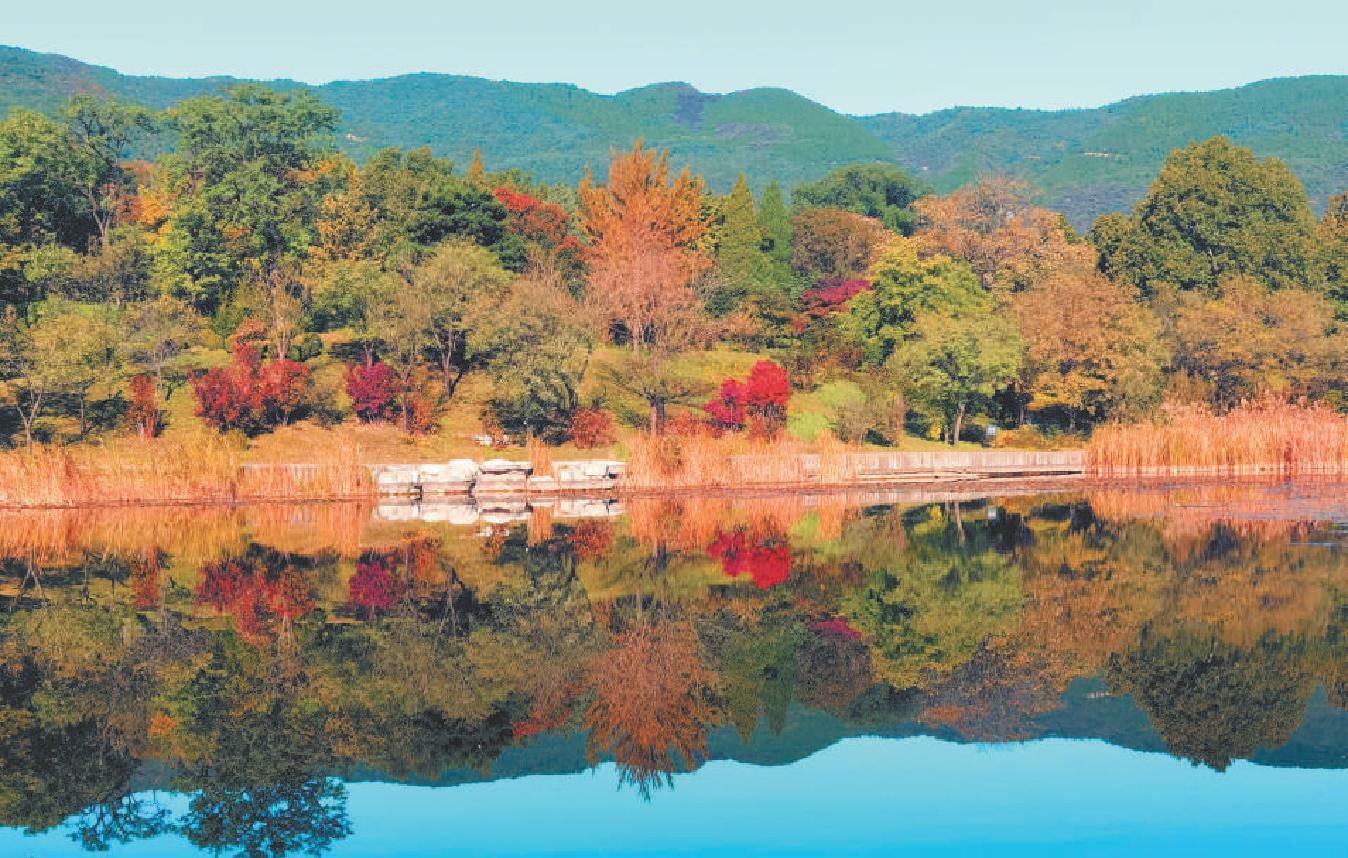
(657, 415)
(959, 424)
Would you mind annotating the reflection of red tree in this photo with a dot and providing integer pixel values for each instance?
(373, 588)
(254, 593)
(592, 539)
(837, 628)
(765, 558)
(145, 581)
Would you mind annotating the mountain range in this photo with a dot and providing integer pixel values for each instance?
(1083, 162)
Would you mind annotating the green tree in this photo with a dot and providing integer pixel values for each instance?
(42, 196)
(248, 170)
(1333, 237)
(1215, 211)
(102, 132)
(953, 364)
(881, 191)
(740, 260)
(462, 284)
(905, 287)
(66, 351)
(774, 224)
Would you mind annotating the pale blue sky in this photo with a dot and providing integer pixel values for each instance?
(858, 56)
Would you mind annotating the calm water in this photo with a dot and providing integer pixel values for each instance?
(1114, 672)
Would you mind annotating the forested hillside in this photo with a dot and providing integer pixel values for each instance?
(1082, 162)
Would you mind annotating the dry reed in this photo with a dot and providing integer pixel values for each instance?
(703, 460)
(163, 471)
(1265, 438)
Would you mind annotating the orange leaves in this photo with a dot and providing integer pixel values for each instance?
(642, 229)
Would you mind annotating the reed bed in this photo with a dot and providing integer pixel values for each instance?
(703, 460)
(1268, 438)
(164, 471)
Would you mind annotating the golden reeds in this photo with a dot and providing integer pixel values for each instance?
(1260, 439)
(162, 471)
(703, 460)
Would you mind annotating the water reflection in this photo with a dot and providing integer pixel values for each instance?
(259, 660)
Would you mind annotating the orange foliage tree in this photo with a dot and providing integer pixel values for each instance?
(643, 230)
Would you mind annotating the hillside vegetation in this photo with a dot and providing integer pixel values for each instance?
(1081, 162)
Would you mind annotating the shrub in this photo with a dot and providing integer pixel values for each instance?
(307, 347)
(373, 391)
(249, 395)
(759, 402)
(591, 427)
(144, 415)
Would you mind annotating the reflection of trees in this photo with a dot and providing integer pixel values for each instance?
(651, 704)
(928, 614)
(1212, 702)
(268, 819)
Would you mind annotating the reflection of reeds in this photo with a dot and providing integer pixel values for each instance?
(199, 533)
(692, 522)
(1265, 438)
(540, 524)
(137, 471)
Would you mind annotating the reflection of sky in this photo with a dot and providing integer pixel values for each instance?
(861, 796)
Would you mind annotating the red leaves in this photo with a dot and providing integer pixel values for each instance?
(372, 390)
(250, 395)
(144, 415)
(373, 588)
(253, 593)
(765, 558)
(591, 427)
(547, 224)
(759, 401)
(832, 294)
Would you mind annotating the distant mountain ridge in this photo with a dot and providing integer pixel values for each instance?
(1084, 162)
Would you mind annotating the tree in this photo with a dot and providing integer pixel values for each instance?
(992, 227)
(740, 260)
(644, 230)
(760, 401)
(953, 364)
(250, 395)
(1250, 340)
(461, 284)
(536, 352)
(102, 132)
(880, 191)
(905, 287)
(1215, 211)
(66, 351)
(834, 243)
(774, 223)
(1091, 348)
(42, 200)
(1333, 238)
(249, 172)
(155, 332)
(401, 319)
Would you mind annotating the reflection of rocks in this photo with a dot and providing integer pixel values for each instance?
(496, 510)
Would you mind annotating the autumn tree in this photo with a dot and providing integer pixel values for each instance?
(992, 227)
(1250, 340)
(644, 228)
(834, 243)
(1092, 349)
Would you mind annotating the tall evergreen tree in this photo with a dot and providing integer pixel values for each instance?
(774, 220)
(743, 265)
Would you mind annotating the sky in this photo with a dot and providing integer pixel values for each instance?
(856, 56)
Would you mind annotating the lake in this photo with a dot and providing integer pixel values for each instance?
(1083, 670)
